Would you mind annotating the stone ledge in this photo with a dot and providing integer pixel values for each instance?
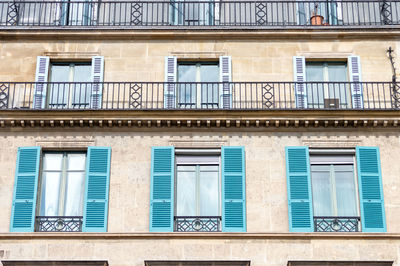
(287, 236)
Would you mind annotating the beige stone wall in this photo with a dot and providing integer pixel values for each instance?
(261, 252)
(265, 169)
(143, 60)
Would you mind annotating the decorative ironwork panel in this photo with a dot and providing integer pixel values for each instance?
(59, 223)
(198, 224)
(386, 13)
(396, 95)
(12, 13)
(268, 96)
(261, 13)
(4, 93)
(135, 96)
(336, 224)
(136, 13)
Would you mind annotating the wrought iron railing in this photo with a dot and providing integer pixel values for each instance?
(336, 223)
(58, 223)
(212, 13)
(197, 223)
(200, 95)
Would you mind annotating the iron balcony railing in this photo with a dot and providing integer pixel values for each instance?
(336, 223)
(205, 13)
(197, 223)
(58, 223)
(200, 95)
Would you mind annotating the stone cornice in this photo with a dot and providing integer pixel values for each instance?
(185, 33)
(236, 236)
(268, 119)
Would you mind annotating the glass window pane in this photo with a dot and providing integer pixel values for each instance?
(337, 72)
(209, 73)
(52, 161)
(76, 161)
(50, 191)
(58, 93)
(59, 73)
(315, 72)
(82, 73)
(81, 92)
(74, 194)
(345, 190)
(187, 92)
(209, 193)
(321, 190)
(186, 168)
(186, 194)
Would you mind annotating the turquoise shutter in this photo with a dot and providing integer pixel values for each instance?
(299, 189)
(370, 190)
(96, 189)
(25, 190)
(233, 190)
(162, 189)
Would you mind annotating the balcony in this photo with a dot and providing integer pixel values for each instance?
(202, 14)
(200, 96)
(58, 223)
(336, 224)
(197, 224)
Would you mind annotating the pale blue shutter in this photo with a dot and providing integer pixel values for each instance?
(300, 90)
(25, 190)
(299, 189)
(96, 96)
(355, 77)
(162, 189)
(42, 70)
(96, 189)
(171, 66)
(225, 76)
(233, 189)
(370, 189)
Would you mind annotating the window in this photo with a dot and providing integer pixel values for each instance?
(192, 13)
(62, 190)
(197, 190)
(203, 94)
(320, 13)
(197, 193)
(75, 12)
(333, 190)
(64, 93)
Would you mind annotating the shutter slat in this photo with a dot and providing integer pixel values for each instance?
(299, 70)
(162, 189)
(299, 189)
(42, 70)
(171, 66)
(25, 190)
(225, 66)
(233, 189)
(370, 189)
(96, 96)
(354, 66)
(97, 189)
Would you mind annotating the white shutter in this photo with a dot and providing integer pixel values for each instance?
(97, 79)
(170, 77)
(354, 66)
(225, 75)
(42, 71)
(299, 69)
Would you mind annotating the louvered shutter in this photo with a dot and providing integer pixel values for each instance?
(42, 70)
(299, 70)
(96, 189)
(162, 189)
(370, 190)
(225, 74)
(96, 96)
(233, 190)
(299, 189)
(171, 66)
(25, 190)
(356, 87)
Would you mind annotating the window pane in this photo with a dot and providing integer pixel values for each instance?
(59, 73)
(337, 72)
(52, 161)
(209, 73)
(74, 194)
(49, 202)
(81, 92)
(315, 72)
(82, 73)
(321, 190)
(209, 193)
(345, 190)
(76, 161)
(186, 193)
(58, 93)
